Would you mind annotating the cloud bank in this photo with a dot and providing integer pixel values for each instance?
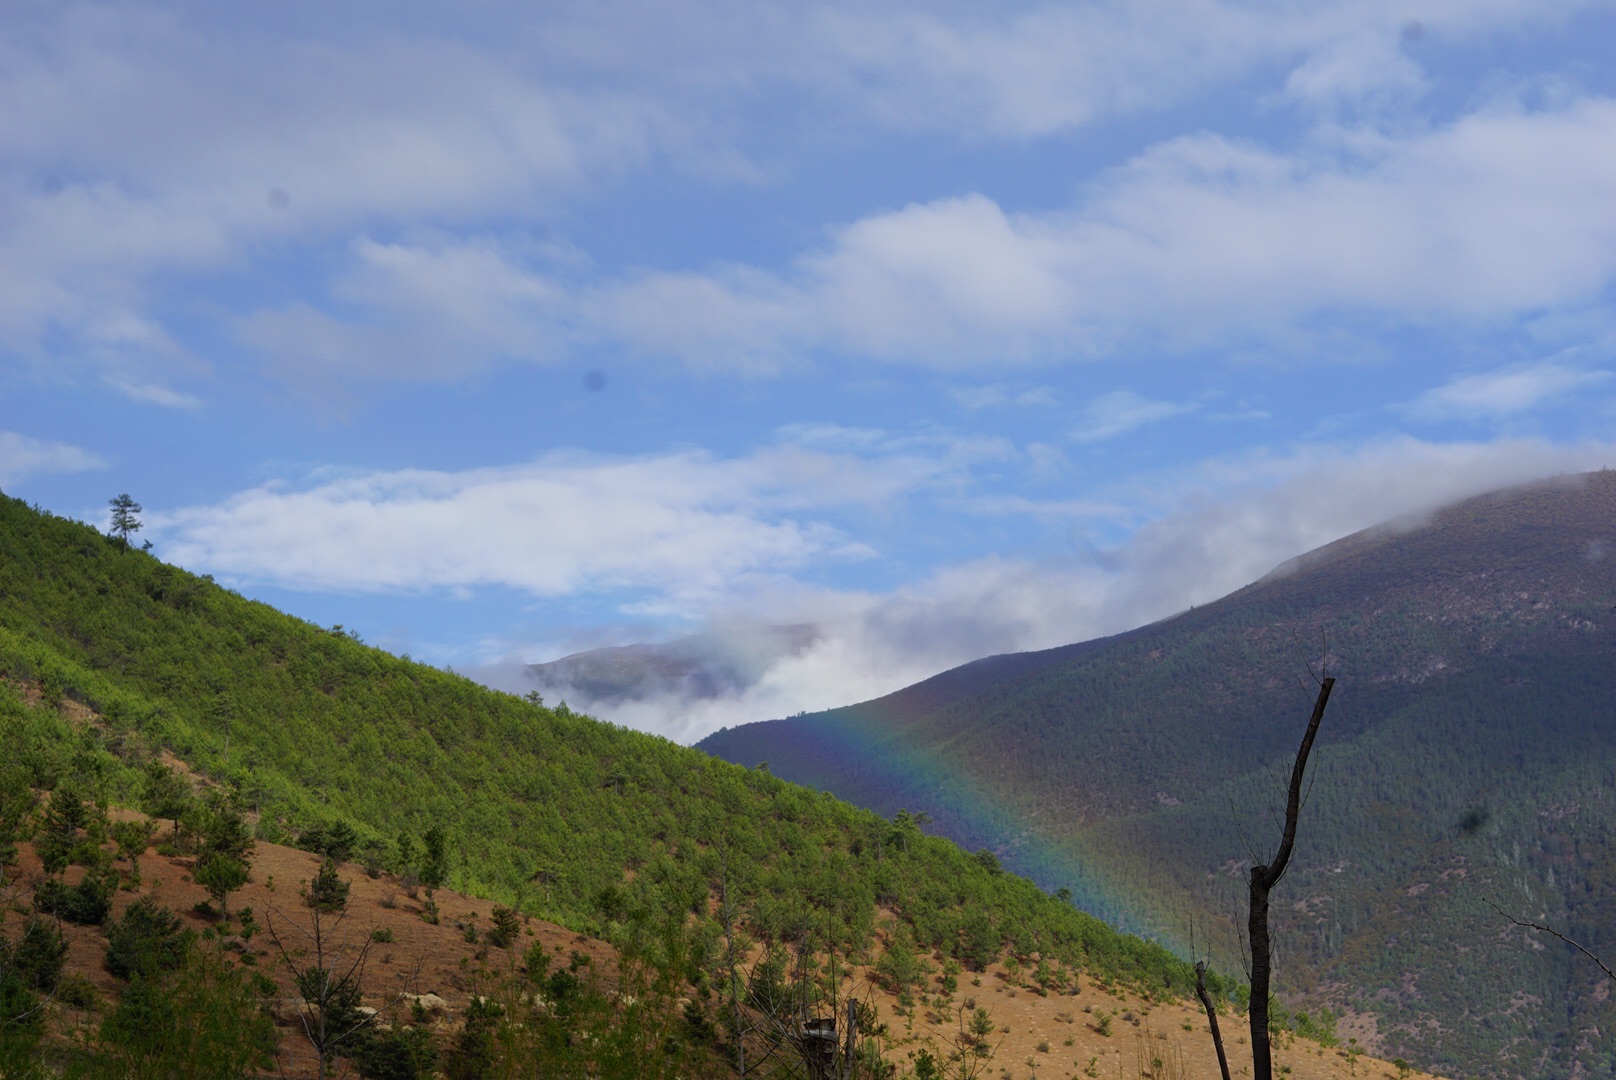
(1221, 527)
(156, 146)
(728, 544)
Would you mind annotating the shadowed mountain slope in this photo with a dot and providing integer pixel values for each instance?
(1469, 754)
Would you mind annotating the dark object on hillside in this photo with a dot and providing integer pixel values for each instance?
(328, 892)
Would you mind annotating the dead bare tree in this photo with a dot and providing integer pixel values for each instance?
(327, 967)
(1261, 880)
(805, 1021)
(1211, 1017)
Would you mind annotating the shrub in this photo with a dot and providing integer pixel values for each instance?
(1320, 1029)
(405, 1053)
(507, 927)
(78, 992)
(474, 1050)
(165, 793)
(335, 841)
(536, 962)
(221, 873)
(327, 892)
(86, 903)
(132, 838)
(38, 955)
(435, 859)
(147, 940)
(206, 1010)
(900, 968)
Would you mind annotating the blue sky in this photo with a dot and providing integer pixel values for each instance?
(499, 331)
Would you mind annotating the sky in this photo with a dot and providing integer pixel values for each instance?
(495, 331)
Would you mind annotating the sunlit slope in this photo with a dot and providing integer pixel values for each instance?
(590, 825)
(1469, 753)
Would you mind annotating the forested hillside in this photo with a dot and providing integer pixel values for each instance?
(604, 830)
(1469, 755)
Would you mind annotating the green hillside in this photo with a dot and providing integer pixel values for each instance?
(590, 825)
(1469, 754)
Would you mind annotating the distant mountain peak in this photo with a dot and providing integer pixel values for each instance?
(716, 663)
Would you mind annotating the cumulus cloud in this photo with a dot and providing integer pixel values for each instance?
(1203, 532)
(23, 457)
(1202, 239)
(1504, 393)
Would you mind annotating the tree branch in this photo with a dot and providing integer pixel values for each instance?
(1551, 930)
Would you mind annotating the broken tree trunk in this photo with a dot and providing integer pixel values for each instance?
(1262, 881)
(1211, 1017)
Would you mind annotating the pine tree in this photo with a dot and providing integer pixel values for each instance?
(125, 518)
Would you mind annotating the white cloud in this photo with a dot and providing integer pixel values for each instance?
(995, 395)
(150, 146)
(682, 525)
(1355, 68)
(1120, 412)
(1203, 532)
(435, 309)
(1504, 393)
(23, 457)
(1503, 214)
(153, 394)
(145, 147)
(1032, 70)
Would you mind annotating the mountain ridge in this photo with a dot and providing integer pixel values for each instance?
(1116, 770)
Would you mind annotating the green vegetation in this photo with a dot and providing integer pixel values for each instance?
(199, 1019)
(147, 941)
(357, 753)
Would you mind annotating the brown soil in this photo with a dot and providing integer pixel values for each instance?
(1056, 1037)
(1038, 1038)
(421, 958)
